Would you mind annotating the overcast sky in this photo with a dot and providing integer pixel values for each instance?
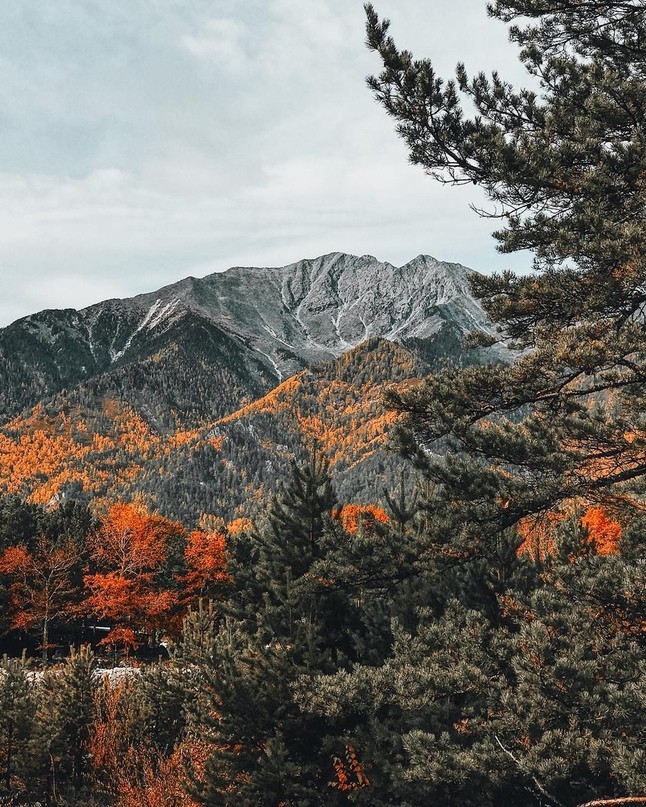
(146, 140)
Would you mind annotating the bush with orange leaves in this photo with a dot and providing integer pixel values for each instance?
(603, 531)
(349, 774)
(128, 770)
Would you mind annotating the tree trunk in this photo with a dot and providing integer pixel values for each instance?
(45, 639)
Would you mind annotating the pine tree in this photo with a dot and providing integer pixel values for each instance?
(161, 698)
(289, 623)
(16, 725)
(66, 711)
(564, 169)
(517, 680)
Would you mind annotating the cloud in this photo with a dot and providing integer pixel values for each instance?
(220, 41)
(142, 142)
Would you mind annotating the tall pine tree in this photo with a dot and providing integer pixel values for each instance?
(288, 622)
(519, 681)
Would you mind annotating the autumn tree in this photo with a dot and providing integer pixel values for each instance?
(129, 552)
(205, 558)
(42, 590)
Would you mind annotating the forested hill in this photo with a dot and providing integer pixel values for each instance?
(93, 448)
(196, 397)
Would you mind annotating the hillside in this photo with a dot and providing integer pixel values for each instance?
(195, 397)
(67, 449)
(199, 348)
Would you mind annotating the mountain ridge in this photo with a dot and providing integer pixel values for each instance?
(196, 395)
(271, 321)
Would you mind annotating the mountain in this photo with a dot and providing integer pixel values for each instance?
(194, 398)
(200, 348)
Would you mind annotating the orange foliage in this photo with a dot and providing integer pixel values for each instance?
(348, 774)
(353, 516)
(154, 780)
(41, 587)
(238, 526)
(106, 452)
(42, 453)
(129, 548)
(131, 541)
(136, 775)
(182, 438)
(629, 456)
(123, 638)
(538, 532)
(604, 532)
(271, 402)
(350, 421)
(205, 556)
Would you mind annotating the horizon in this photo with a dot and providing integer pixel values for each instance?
(142, 145)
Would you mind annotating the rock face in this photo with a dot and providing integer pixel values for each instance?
(262, 324)
(317, 309)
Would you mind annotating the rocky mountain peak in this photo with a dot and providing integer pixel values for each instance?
(271, 321)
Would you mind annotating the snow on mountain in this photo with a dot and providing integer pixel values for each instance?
(275, 321)
(317, 309)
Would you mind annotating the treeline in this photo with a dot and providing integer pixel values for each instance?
(340, 660)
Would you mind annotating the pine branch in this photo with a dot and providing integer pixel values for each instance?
(538, 785)
(615, 802)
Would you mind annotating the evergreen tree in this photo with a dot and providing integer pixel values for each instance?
(66, 711)
(519, 680)
(564, 169)
(161, 697)
(16, 725)
(291, 622)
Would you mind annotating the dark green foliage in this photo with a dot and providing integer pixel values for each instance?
(17, 707)
(564, 167)
(289, 622)
(66, 711)
(161, 696)
(513, 681)
(518, 684)
(542, 156)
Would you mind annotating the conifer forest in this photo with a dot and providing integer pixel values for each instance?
(412, 573)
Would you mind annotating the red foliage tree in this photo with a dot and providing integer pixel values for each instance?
(128, 550)
(41, 589)
(206, 574)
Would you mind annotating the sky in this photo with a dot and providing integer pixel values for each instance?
(142, 141)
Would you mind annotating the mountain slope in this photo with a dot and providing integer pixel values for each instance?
(179, 397)
(67, 449)
(248, 329)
